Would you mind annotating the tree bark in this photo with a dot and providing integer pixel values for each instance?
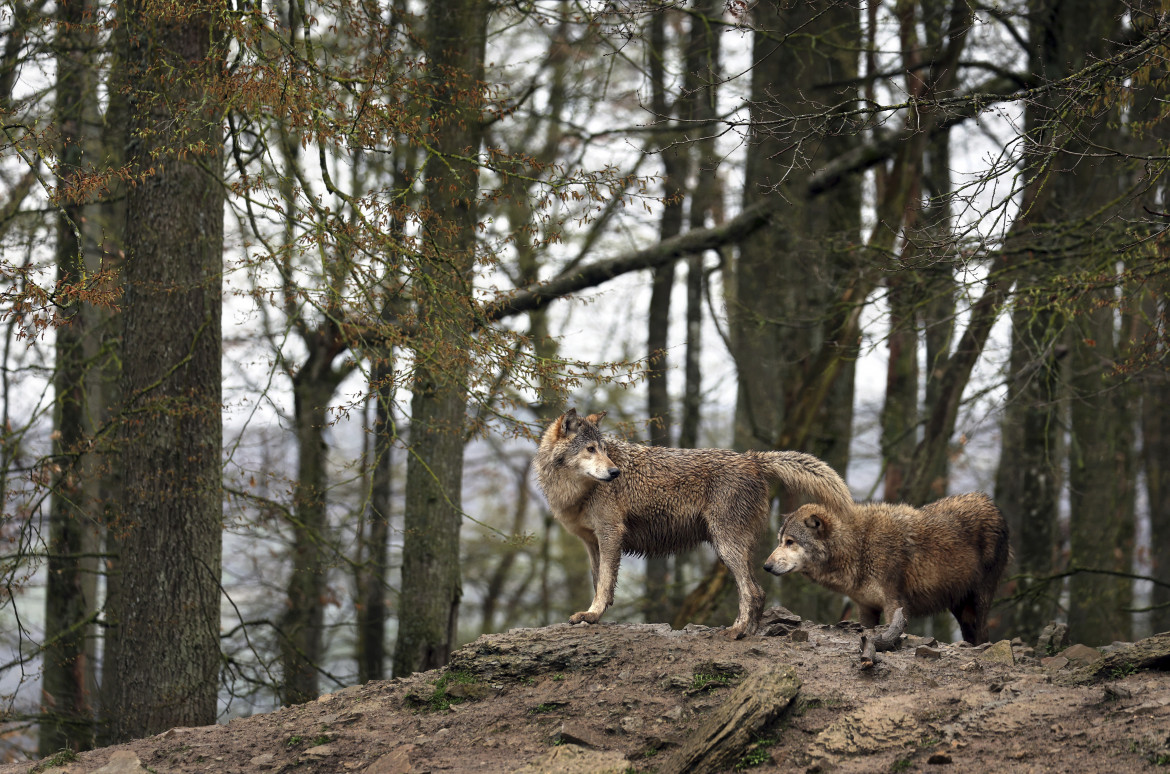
(71, 588)
(166, 669)
(788, 274)
(303, 622)
(375, 567)
(430, 592)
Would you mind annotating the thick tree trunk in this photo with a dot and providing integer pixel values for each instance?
(165, 671)
(1029, 478)
(779, 310)
(430, 591)
(1102, 477)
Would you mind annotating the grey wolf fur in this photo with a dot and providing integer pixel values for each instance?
(948, 555)
(620, 497)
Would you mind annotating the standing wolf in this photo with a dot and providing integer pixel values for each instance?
(948, 555)
(651, 501)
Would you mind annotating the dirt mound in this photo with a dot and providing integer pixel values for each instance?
(628, 697)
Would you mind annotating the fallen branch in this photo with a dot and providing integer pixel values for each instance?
(882, 639)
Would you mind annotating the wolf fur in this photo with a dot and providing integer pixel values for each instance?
(948, 555)
(620, 497)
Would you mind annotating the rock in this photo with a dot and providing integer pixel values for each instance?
(728, 730)
(264, 761)
(123, 762)
(938, 758)
(1053, 639)
(574, 732)
(631, 724)
(999, 653)
(798, 635)
(1054, 663)
(1081, 655)
(923, 651)
(321, 751)
(495, 656)
(777, 621)
(397, 761)
(1150, 653)
(883, 724)
(571, 759)
(914, 641)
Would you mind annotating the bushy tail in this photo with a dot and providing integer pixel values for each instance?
(810, 476)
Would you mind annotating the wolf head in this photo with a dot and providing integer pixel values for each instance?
(801, 541)
(575, 444)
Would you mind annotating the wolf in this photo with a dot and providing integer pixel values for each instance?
(948, 555)
(620, 497)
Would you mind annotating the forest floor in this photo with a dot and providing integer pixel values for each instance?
(633, 698)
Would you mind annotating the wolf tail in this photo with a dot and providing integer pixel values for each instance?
(810, 476)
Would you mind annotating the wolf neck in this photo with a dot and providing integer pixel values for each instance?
(565, 494)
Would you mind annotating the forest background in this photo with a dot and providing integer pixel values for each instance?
(290, 289)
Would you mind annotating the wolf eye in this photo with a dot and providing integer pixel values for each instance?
(788, 541)
(592, 450)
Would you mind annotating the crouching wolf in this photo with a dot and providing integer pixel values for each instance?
(948, 555)
(652, 501)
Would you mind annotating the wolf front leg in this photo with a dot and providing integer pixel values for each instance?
(609, 556)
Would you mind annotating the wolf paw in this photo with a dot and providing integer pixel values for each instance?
(738, 632)
(585, 617)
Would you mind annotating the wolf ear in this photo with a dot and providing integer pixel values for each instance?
(570, 422)
(596, 418)
(813, 522)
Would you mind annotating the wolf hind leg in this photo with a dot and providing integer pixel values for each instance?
(971, 613)
(751, 597)
(609, 556)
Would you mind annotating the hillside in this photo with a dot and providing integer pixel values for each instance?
(627, 697)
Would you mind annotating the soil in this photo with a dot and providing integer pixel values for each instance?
(626, 697)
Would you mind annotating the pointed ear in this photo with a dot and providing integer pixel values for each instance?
(813, 522)
(569, 422)
(596, 418)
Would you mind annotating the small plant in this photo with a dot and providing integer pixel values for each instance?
(702, 682)
(558, 677)
(1124, 669)
(650, 752)
(757, 754)
(439, 699)
(293, 741)
(548, 706)
(322, 739)
(55, 760)
(899, 765)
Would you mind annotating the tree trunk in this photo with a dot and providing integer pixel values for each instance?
(375, 570)
(1102, 474)
(302, 624)
(675, 161)
(165, 671)
(430, 591)
(71, 588)
(787, 273)
(1156, 458)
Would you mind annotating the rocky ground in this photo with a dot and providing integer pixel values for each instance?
(644, 698)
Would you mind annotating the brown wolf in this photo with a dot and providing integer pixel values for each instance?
(623, 497)
(948, 555)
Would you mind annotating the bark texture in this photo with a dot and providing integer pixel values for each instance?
(165, 669)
